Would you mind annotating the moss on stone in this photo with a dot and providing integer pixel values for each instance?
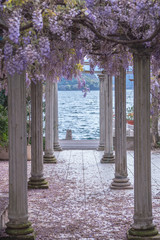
(22, 231)
(131, 237)
(28, 237)
(24, 237)
(19, 226)
(17, 232)
(49, 160)
(43, 184)
(143, 233)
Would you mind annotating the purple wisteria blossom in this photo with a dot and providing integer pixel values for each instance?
(37, 19)
(14, 26)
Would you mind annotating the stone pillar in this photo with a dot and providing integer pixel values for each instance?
(121, 180)
(49, 134)
(108, 156)
(143, 227)
(18, 225)
(102, 113)
(37, 179)
(57, 146)
(155, 118)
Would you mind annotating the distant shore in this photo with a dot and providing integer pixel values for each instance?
(92, 82)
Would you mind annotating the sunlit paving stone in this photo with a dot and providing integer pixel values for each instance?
(79, 203)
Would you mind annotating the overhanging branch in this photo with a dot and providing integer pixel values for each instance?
(90, 26)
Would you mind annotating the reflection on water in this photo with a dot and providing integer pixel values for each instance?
(80, 114)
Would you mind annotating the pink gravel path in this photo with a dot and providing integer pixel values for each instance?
(79, 203)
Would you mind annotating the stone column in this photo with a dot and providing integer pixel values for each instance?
(121, 180)
(49, 134)
(37, 179)
(155, 115)
(108, 156)
(57, 146)
(18, 225)
(102, 113)
(143, 227)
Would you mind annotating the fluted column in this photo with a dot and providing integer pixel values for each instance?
(37, 179)
(108, 156)
(143, 220)
(18, 225)
(121, 180)
(56, 144)
(102, 113)
(49, 134)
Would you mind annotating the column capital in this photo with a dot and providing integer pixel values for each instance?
(101, 76)
(141, 52)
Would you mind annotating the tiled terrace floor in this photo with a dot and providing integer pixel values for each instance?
(79, 203)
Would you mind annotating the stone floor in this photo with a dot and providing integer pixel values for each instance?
(79, 203)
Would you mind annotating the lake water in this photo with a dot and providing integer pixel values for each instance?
(80, 114)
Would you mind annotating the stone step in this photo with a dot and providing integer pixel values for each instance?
(89, 144)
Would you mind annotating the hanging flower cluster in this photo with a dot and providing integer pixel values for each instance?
(49, 38)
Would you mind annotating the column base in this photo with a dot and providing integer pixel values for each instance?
(57, 147)
(149, 234)
(20, 231)
(37, 184)
(49, 159)
(100, 148)
(108, 158)
(121, 183)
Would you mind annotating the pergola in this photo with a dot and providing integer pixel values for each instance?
(18, 226)
(18, 212)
